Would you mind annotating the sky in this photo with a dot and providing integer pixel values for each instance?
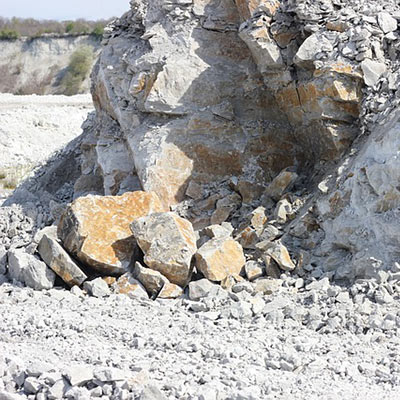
(64, 9)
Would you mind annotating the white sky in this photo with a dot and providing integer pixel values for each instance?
(63, 10)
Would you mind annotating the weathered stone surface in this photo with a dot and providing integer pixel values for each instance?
(201, 288)
(230, 280)
(219, 258)
(218, 231)
(127, 284)
(78, 375)
(96, 229)
(168, 242)
(280, 184)
(170, 291)
(268, 286)
(3, 260)
(152, 280)
(97, 288)
(253, 270)
(372, 70)
(59, 261)
(271, 267)
(386, 22)
(279, 253)
(27, 269)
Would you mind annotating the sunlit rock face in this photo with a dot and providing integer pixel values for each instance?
(204, 90)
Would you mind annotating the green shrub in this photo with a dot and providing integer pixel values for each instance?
(69, 27)
(78, 69)
(98, 30)
(7, 34)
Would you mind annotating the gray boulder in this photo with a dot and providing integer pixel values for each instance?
(27, 269)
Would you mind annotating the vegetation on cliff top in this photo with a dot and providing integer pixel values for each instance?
(78, 69)
(28, 27)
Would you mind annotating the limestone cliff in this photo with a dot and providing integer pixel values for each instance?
(37, 65)
(209, 94)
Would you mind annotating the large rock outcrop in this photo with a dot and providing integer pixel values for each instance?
(196, 96)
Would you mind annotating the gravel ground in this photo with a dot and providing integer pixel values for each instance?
(33, 127)
(305, 344)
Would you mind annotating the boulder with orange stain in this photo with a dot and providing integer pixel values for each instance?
(219, 258)
(168, 243)
(95, 229)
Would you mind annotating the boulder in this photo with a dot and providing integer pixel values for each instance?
(280, 184)
(27, 269)
(97, 288)
(386, 22)
(219, 258)
(168, 243)
(279, 253)
(95, 229)
(372, 70)
(253, 270)
(127, 284)
(201, 288)
(170, 291)
(152, 280)
(59, 261)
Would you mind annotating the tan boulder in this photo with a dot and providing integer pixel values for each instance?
(170, 291)
(220, 257)
(280, 184)
(95, 229)
(127, 284)
(168, 243)
(279, 253)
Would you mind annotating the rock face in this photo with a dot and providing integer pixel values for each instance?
(168, 243)
(96, 230)
(286, 93)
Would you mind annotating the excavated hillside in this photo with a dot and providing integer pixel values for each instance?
(38, 65)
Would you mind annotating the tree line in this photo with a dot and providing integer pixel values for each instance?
(13, 28)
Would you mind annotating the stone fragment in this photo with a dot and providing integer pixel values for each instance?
(224, 208)
(60, 262)
(283, 211)
(168, 242)
(253, 270)
(280, 184)
(152, 280)
(309, 49)
(219, 258)
(27, 269)
(386, 22)
(219, 231)
(110, 374)
(31, 385)
(194, 190)
(58, 389)
(279, 253)
(170, 291)
(271, 267)
(3, 260)
(96, 229)
(78, 375)
(199, 289)
(151, 392)
(127, 284)
(230, 280)
(372, 70)
(97, 288)
(267, 286)
(77, 291)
